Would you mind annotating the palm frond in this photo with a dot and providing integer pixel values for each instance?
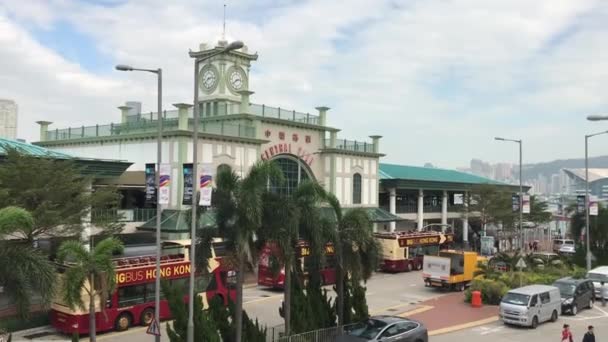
(15, 219)
(72, 250)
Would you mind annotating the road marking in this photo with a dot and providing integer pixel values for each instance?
(388, 308)
(487, 330)
(116, 334)
(418, 310)
(462, 326)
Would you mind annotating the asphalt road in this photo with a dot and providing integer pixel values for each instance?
(386, 294)
(546, 332)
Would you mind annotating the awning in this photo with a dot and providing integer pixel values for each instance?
(178, 221)
(376, 215)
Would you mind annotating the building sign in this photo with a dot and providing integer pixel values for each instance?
(487, 245)
(164, 184)
(148, 274)
(304, 251)
(419, 241)
(286, 148)
(458, 199)
(515, 203)
(580, 204)
(526, 204)
(188, 184)
(593, 206)
(150, 174)
(206, 185)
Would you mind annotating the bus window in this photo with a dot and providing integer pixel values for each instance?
(212, 286)
(202, 282)
(131, 295)
(220, 249)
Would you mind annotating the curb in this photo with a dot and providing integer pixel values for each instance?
(248, 286)
(33, 330)
(463, 326)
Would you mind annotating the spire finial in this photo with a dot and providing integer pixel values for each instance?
(224, 30)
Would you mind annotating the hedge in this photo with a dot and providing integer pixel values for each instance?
(491, 291)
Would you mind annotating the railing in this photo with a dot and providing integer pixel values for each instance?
(352, 145)
(283, 114)
(123, 215)
(147, 126)
(406, 208)
(321, 335)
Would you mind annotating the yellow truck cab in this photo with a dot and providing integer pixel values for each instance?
(451, 269)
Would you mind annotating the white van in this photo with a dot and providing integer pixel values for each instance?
(598, 275)
(559, 243)
(531, 305)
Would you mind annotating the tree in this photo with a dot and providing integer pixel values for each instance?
(492, 205)
(23, 269)
(54, 191)
(358, 251)
(598, 237)
(205, 328)
(91, 271)
(539, 211)
(239, 210)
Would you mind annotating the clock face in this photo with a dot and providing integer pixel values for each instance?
(208, 78)
(236, 79)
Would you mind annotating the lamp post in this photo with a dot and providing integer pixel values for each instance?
(587, 232)
(521, 191)
(197, 61)
(159, 74)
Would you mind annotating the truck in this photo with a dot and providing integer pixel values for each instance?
(451, 269)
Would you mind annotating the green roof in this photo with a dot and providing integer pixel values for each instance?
(178, 221)
(98, 168)
(29, 149)
(433, 176)
(376, 215)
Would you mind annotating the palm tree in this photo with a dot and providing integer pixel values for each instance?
(356, 247)
(23, 269)
(239, 209)
(92, 271)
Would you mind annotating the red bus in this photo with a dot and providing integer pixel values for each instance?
(404, 251)
(132, 302)
(270, 275)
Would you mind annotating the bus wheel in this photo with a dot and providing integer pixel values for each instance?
(409, 266)
(419, 266)
(123, 322)
(146, 317)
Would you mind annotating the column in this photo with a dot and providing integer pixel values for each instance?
(182, 115)
(444, 210)
(332, 162)
(393, 206)
(465, 221)
(322, 115)
(420, 209)
(245, 94)
(86, 223)
(44, 127)
(376, 142)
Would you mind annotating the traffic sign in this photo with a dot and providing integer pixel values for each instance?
(153, 328)
(521, 263)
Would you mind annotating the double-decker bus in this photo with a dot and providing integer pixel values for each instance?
(132, 301)
(404, 251)
(272, 274)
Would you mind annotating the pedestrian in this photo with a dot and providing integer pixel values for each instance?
(567, 334)
(589, 335)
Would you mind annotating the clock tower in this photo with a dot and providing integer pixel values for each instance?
(221, 78)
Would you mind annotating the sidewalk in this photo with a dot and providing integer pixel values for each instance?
(450, 313)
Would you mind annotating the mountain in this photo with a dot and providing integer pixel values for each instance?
(531, 171)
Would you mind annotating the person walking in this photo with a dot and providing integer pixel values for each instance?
(567, 334)
(589, 335)
(603, 293)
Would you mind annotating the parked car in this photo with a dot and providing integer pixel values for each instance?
(386, 328)
(597, 276)
(576, 294)
(567, 250)
(558, 243)
(531, 305)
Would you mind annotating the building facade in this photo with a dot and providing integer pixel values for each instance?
(8, 119)
(234, 133)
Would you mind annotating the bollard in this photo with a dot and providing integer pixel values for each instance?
(476, 299)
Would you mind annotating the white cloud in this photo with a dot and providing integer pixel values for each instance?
(440, 78)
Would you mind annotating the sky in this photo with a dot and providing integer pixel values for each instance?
(438, 79)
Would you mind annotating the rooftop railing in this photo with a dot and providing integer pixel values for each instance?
(352, 145)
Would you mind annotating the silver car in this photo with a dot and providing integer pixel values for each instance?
(386, 329)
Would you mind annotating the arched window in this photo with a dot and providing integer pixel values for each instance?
(293, 172)
(223, 168)
(356, 188)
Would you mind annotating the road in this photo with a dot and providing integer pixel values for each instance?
(386, 294)
(547, 332)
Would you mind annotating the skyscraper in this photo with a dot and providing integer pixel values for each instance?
(8, 119)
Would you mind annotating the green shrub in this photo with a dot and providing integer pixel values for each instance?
(16, 323)
(491, 291)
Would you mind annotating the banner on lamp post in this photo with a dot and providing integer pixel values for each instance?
(525, 204)
(188, 184)
(580, 204)
(164, 184)
(593, 206)
(515, 203)
(150, 174)
(206, 185)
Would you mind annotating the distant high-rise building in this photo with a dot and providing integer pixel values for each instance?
(503, 172)
(556, 184)
(8, 119)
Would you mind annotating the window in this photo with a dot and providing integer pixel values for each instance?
(404, 327)
(545, 298)
(356, 188)
(534, 300)
(131, 295)
(293, 172)
(391, 331)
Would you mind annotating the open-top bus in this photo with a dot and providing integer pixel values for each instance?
(271, 274)
(132, 301)
(404, 251)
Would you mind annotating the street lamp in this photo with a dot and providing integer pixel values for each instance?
(521, 190)
(159, 74)
(597, 117)
(587, 232)
(197, 61)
